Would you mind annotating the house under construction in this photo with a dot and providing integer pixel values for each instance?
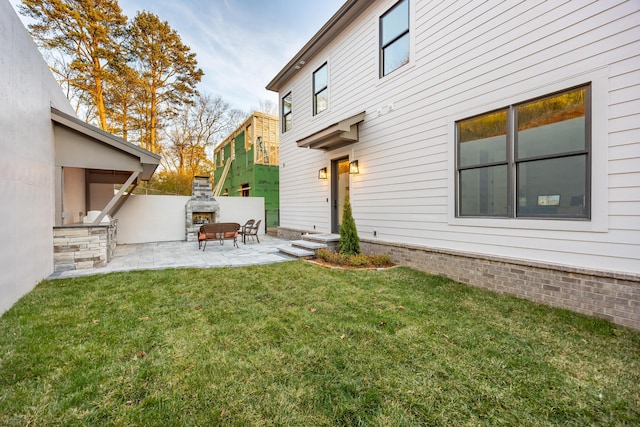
(246, 163)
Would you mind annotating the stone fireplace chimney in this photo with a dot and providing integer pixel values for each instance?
(202, 208)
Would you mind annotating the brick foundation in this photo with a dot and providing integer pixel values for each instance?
(608, 295)
(290, 233)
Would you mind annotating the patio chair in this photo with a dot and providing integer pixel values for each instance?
(250, 229)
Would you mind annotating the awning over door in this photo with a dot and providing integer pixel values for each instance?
(337, 135)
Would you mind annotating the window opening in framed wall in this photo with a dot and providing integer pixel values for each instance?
(321, 89)
(529, 160)
(394, 38)
(286, 113)
(244, 190)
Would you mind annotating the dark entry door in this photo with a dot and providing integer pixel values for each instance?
(339, 190)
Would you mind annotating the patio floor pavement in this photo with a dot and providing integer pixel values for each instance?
(180, 254)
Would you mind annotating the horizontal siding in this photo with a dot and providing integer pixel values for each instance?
(468, 56)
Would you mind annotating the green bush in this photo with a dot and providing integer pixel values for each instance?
(332, 257)
(380, 260)
(359, 261)
(323, 253)
(349, 241)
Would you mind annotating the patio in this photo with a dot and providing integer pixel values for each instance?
(180, 254)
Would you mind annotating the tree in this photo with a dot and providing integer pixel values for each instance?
(87, 34)
(349, 243)
(168, 71)
(267, 106)
(193, 130)
(122, 98)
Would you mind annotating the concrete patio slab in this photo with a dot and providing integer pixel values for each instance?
(182, 254)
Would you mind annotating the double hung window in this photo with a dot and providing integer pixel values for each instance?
(286, 113)
(321, 89)
(530, 160)
(394, 38)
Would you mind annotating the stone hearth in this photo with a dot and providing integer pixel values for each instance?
(202, 208)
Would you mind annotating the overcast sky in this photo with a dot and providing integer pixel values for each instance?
(240, 44)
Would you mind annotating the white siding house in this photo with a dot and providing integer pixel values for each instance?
(545, 208)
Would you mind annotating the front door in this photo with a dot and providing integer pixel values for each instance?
(339, 190)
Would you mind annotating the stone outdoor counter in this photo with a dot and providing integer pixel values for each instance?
(80, 246)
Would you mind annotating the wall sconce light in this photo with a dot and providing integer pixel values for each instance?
(353, 167)
(322, 173)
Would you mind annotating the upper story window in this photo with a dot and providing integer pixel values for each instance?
(286, 112)
(321, 89)
(394, 38)
(530, 160)
(244, 190)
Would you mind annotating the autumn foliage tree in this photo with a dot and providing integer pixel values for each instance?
(87, 34)
(123, 94)
(136, 79)
(168, 72)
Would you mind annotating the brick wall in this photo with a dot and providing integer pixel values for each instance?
(80, 247)
(609, 295)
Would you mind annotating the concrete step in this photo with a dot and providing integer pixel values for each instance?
(296, 252)
(308, 244)
(331, 240)
(327, 239)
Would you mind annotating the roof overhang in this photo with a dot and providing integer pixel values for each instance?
(343, 17)
(79, 144)
(337, 135)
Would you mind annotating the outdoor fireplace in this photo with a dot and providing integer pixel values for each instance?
(202, 208)
(199, 218)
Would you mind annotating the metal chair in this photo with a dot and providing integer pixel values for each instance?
(250, 229)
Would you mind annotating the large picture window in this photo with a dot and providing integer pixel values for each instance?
(528, 160)
(321, 89)
(286, 113)
(394, 38)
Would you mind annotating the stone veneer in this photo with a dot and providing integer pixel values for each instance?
(77, 247)
(608, 295)
(202, 201)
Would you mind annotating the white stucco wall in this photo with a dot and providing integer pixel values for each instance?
(145, 219)
(27, 92)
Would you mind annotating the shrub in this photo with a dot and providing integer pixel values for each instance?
(332, 257)
(359, 260)
(323, 253)
(349, 241)
(380, 260)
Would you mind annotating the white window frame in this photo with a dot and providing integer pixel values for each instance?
(599, 156)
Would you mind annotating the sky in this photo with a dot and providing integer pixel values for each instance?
(239, 44)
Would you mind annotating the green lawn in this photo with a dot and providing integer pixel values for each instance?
(301, 345)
